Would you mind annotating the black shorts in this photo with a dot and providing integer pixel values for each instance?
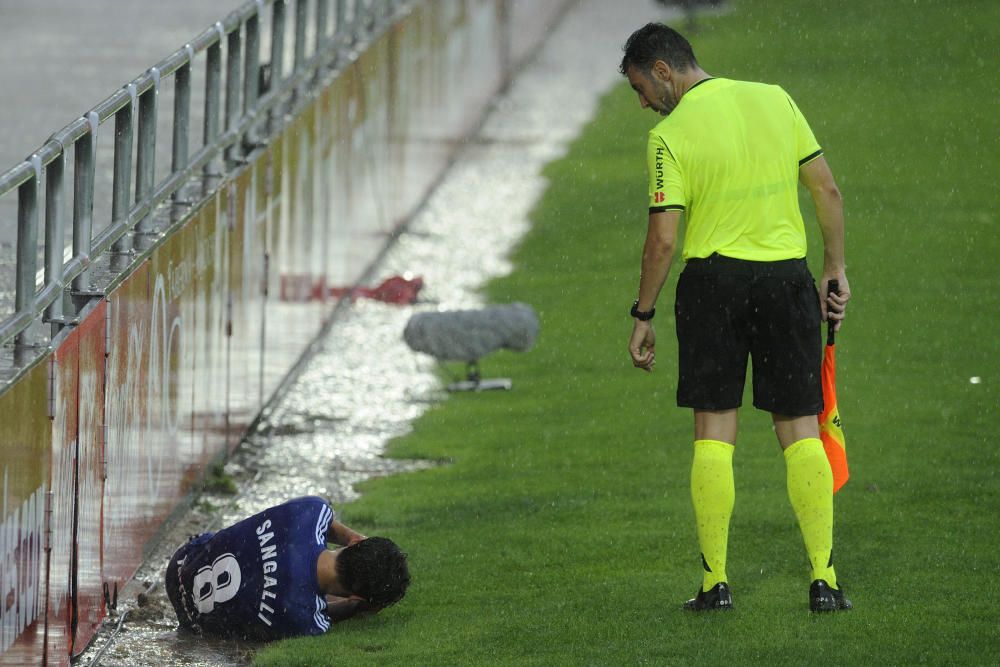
(173, 579)
(728, 309)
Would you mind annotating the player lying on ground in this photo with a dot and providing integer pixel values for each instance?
(272, 576)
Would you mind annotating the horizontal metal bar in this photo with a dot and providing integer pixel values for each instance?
(108, 236)
(15, 324)
(111, 105)
(16, 177)
(47, 152)
(69, 134)
(176, 60)
(75, 267)
(144, 82)
(44, 298)
(48, 295)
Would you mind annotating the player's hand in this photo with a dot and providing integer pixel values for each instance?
(340, 609)
(641, 345)
(833, 307)
(368, 608)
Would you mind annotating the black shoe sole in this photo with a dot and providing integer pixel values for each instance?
(695, 609)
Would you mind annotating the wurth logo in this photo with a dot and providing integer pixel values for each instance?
(659, 197)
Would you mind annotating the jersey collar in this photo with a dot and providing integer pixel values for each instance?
(711, 78)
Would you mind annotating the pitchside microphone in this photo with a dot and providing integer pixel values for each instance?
(470, 335)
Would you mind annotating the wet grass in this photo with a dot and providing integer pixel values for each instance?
(219, 482)
(562, 533)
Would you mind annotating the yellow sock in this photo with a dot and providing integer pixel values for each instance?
(713, 494)
(810, 488)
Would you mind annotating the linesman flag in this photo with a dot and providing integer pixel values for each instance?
(830, 427)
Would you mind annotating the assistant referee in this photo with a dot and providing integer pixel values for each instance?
(729, 155)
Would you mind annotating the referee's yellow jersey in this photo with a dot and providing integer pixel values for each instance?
(729, 156)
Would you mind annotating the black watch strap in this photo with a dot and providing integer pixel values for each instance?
(639, 315)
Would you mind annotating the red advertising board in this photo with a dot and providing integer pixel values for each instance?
(133, 467)
(75, 600)
(205, 342)
(187, 276)
(66, 399)
(89, 503)
(144, 473)
(246, 228)
(25, 449)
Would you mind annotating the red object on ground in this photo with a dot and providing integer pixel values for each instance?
(397, 289)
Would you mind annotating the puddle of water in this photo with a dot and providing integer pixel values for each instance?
(365, 387)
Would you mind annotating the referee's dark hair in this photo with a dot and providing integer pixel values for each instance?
(655, 41)
(375, 569)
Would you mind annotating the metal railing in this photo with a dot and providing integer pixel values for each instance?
(256, 97)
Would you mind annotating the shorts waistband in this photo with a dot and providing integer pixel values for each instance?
(716, 264)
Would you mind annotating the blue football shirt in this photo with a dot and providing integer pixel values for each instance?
(257, 578)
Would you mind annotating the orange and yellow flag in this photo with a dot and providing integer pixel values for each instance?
(830, 431)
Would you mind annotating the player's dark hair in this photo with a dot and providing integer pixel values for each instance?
(375, 569)
(655, 41)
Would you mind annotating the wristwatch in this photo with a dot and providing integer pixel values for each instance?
(641, 316)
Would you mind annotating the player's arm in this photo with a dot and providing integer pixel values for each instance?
(342, 535)
(657, 256)
(816, 176)
(341, 609)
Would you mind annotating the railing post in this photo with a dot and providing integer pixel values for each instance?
(233, 47)
(55, 226)
(182, 125)
(370, 9)
(340, 24)
(277, 58)
(84, 151)
(278, 20)
(251, 71)
(251, 74)
(506, 60)
(322, 18)
(122, 173)
(145, 176)
(301, 18)
(213, 99)
(27, 253)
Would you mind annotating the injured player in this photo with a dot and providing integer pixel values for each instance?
(272, 576)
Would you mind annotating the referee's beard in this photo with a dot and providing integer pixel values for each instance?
(665, 100)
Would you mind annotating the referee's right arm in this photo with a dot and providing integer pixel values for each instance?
(657, 256)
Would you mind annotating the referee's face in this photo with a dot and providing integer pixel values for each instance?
(653, 93)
